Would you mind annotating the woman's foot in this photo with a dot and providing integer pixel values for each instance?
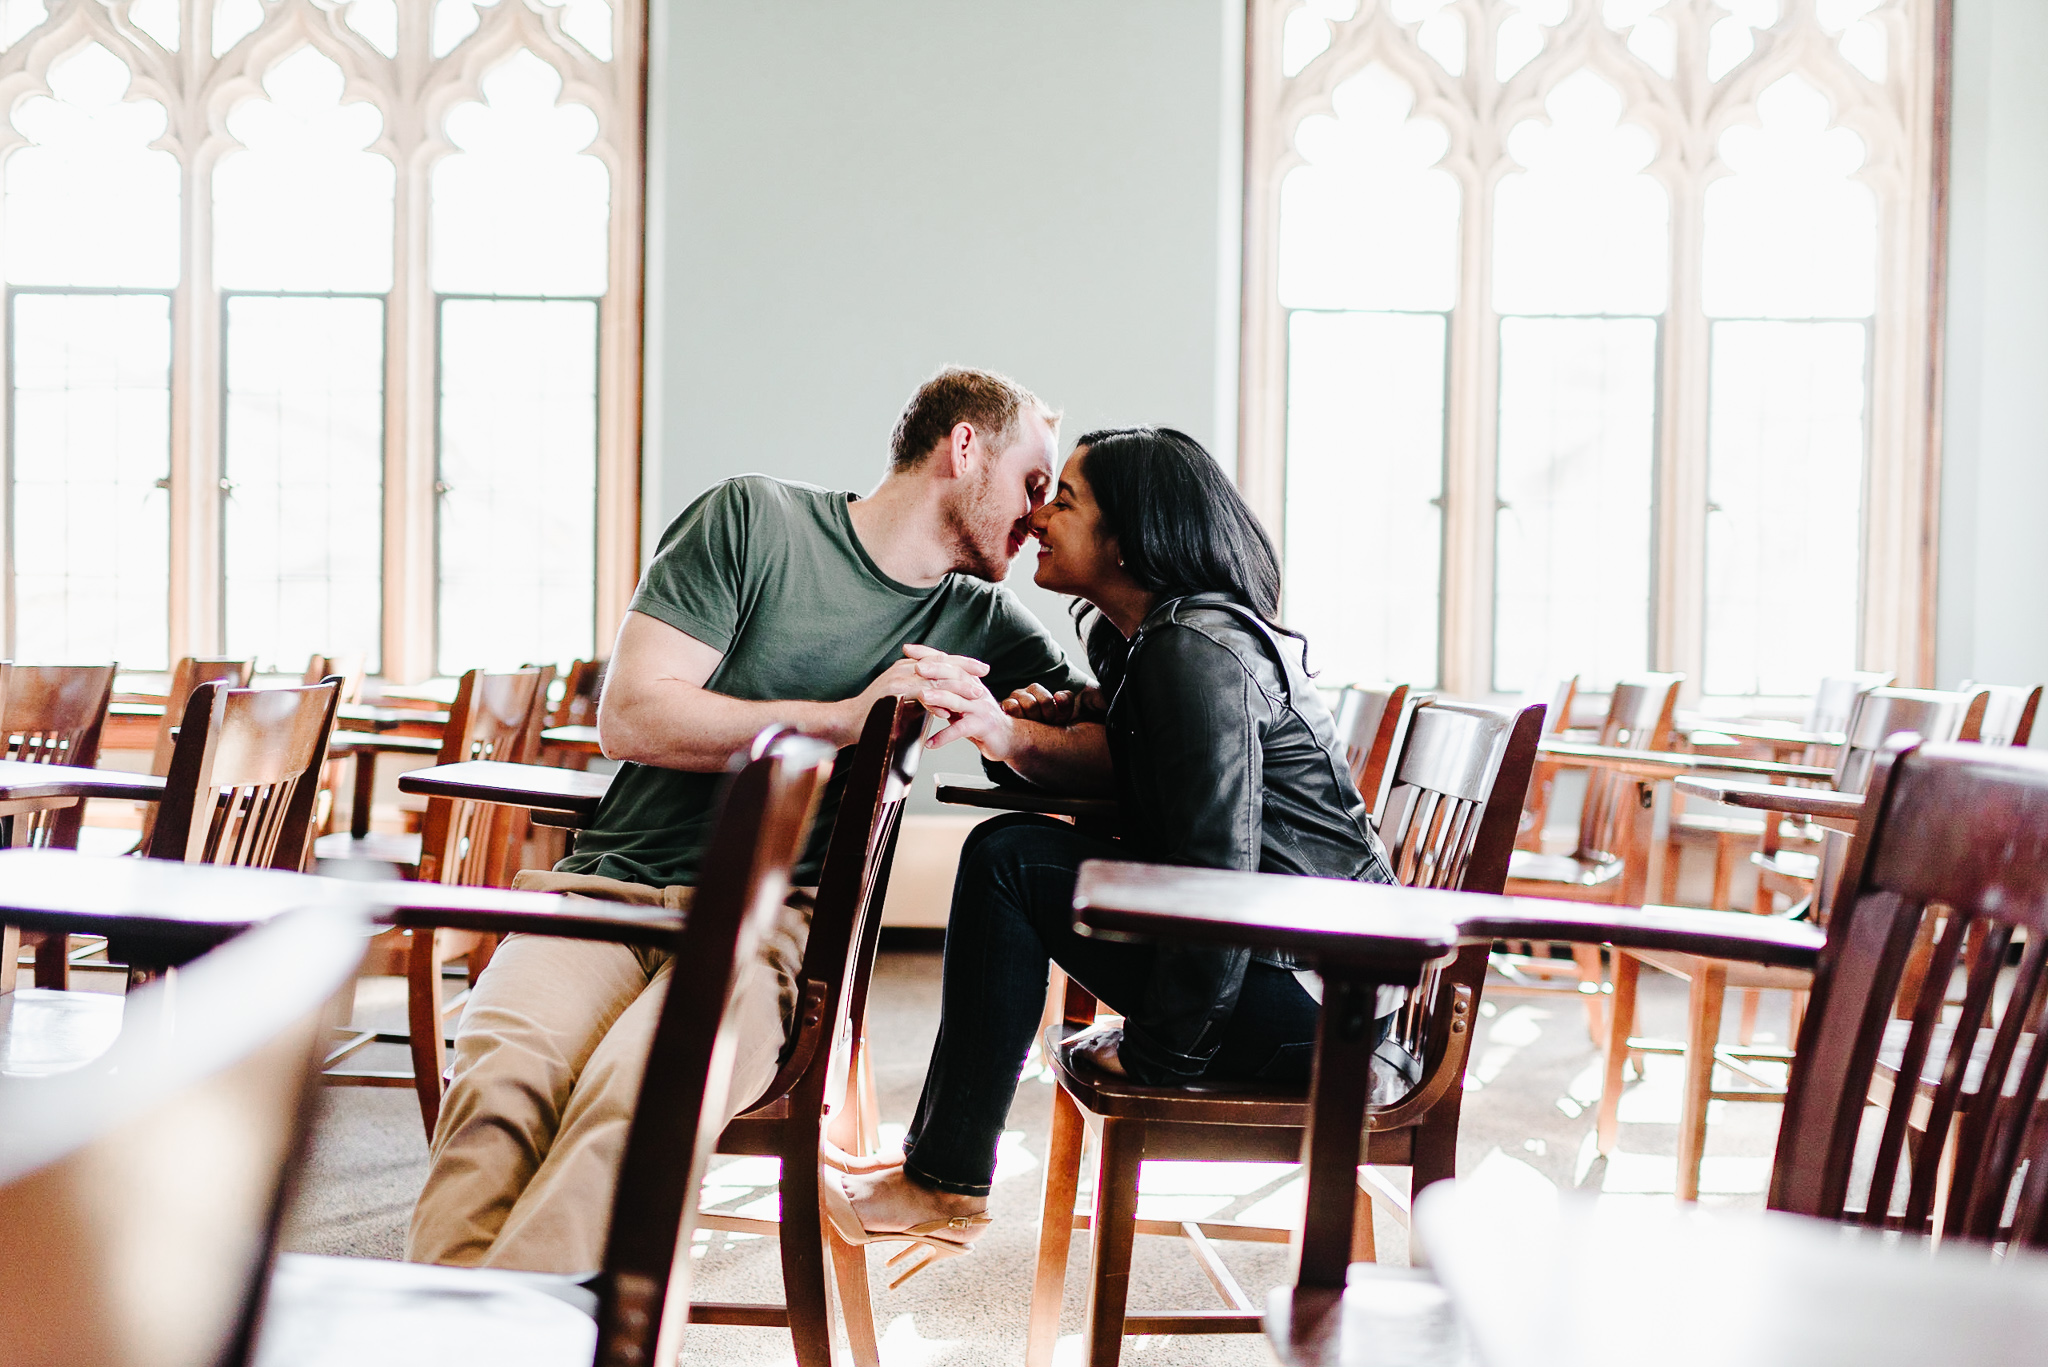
(890, 1202)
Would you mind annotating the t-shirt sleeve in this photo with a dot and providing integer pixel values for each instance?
(697, 580)
(1021, 652)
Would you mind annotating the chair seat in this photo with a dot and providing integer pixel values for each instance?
(1758, 977)
(1256, 1104)
(326, 1312)
(1789, 864)
(384, 847)
(44, 1031)
(1892, 1052)
(1389, 1317)
(1570, 870)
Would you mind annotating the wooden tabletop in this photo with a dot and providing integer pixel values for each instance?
(573, 738)
(1671, 764)
(1772, 733)
(190, 907)
(973, 790)
(21, 781)
(540, 787)
(381, 743)
(1843, 811)
(1549, 1282)
(1330, 920)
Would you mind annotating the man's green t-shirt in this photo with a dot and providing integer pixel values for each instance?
(771, 573)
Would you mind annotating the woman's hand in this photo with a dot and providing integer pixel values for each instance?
(1098, 1045)
(1064, 708)
(954, 690)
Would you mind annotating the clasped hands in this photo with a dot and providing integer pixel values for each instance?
(951, 687)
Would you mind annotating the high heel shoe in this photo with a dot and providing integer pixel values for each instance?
(935, 1239)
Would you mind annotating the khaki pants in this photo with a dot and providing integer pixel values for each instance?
(548, 1060)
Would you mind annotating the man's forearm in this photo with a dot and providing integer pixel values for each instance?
(677, 725)
(1072, 759)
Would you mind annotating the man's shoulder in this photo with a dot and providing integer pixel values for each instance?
(768, 493)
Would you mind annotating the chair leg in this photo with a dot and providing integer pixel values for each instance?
(1588, 959)
(53, 961)
(1724, 872)
(1055, 1228)
(802, 1240)
(1116, 1229)
(1704, 1002)
(423, 1016)
(1622, 1017)
(1745, 1022)
(10, 957)
(1364, 1249)
(856, 1300)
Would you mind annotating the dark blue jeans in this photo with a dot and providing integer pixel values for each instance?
(1013, 905)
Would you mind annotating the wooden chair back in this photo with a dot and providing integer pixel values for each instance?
(350, 668)
(580, 688)
(140, 1198)
(1886, 712)
(53, 715)
(839, 956)
(494, 717)
(1639, 714)
(1834, 701)
(761, 825)
(1459, 789)
(244, 775)
(1557, 719)
(186, 675)
(2008, 712)
(1953, 848)
(1369, 726)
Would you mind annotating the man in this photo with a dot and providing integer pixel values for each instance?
(767, 602)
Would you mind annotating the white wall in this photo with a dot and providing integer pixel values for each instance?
(1994, 491)
(847, 196)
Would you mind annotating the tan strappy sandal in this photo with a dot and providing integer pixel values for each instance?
(935, 1239)
(858, 1163)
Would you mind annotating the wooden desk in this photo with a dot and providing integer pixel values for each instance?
(29, 787)
(973, 790)
(412, 720)
(1665, 764)
(556, 797)
(1824, 806)
(161, 912)
(365, 747)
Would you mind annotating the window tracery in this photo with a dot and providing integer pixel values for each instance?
(1691, 255)
(274, 205)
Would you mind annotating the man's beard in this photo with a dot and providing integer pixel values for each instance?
(979, 534)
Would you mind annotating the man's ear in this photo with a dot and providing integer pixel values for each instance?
(955, 451)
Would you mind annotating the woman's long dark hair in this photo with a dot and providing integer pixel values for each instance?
(1181, 526)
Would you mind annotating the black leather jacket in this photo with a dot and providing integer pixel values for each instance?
(1225, 758)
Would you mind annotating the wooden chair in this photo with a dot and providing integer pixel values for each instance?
(474, 844)
(820, 1073)
(1610, 862)
(1370, 725)
(348, 668)
(1834, 702)
(1556, 722)
(243, 776)
(1457, 796)
(1880, 715)
(576, 707)
(1956, 844)
(53, 715)
(2008, 712)
(353, 1310)
(150, 1188)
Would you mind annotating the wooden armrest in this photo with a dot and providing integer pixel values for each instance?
(971, 790)
(1328, 919)
(1768, 940)
(1772, 797)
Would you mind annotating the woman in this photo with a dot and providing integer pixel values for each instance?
(1222, 755)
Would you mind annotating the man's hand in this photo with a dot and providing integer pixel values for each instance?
(1064, 708)
(953, 689)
